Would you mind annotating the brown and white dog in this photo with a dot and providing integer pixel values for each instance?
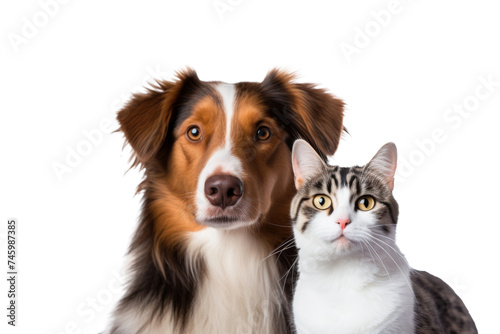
(217, 189)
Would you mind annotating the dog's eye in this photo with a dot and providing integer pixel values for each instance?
(194, 133)
(263, 133)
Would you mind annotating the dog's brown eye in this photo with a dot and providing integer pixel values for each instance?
(263, 133)
(194, 133)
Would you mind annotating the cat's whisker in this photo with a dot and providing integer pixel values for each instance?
(284, 249)
(363, 242)
(287, 244)
(286, 275)
(378, 226)
(397, 265)
(380, 259)
(398, 252)
(383, 236)
(362, 249)
(267, 223)
(382, 224)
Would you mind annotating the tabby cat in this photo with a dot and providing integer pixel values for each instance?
(352, 276)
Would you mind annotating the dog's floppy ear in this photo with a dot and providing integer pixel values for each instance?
(146, 117)
(308, 112)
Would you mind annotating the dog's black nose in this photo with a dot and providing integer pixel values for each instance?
(223, 190)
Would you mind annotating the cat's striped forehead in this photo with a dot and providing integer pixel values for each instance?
(336, 177)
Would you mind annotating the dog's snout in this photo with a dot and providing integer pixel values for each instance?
(223, 190)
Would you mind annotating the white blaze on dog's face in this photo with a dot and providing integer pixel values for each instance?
(220, 190)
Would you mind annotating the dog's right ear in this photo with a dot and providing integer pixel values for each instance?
(307, 112)
(145, 119)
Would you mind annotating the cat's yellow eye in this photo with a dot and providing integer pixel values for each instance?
(365, 203)
(322, 202)
(194, 133)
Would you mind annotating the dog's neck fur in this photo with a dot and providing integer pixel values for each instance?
(240, 291)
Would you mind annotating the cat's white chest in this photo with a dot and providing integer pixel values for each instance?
(352, 300)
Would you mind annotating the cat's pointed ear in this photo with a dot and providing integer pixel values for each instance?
(306, 162)
(384, 163)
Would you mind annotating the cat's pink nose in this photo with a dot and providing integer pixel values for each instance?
(343, 223)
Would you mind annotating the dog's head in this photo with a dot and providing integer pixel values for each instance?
(224, 149)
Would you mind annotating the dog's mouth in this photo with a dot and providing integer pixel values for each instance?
(226, 221)
(222, 220)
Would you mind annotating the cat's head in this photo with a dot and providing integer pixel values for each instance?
(338, 210)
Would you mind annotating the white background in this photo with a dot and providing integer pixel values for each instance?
(84, 60)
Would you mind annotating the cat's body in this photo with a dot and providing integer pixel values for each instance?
(345, 296)
(352, 276)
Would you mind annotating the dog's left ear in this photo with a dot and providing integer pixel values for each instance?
(146, 118)
(308, 112)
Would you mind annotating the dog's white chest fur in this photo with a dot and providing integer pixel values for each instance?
(239, 293)
(351, 298)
